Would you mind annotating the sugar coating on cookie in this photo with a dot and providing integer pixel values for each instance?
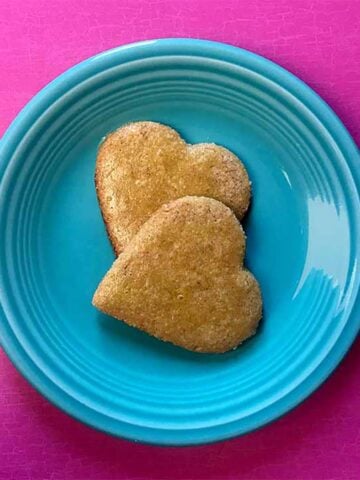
(182, 279)
(143, 165)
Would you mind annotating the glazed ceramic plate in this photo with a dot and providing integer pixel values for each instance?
(302, 228)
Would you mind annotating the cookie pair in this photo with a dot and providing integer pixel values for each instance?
(168, 209)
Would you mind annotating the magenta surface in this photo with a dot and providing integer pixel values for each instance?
(319, 41)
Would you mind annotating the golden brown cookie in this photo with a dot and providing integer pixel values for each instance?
(182, 279)
(143, 165)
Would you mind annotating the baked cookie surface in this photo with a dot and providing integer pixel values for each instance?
(144, 165)
(182, 279)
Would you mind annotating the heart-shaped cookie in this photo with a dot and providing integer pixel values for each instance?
(182, 279)
(143, 165)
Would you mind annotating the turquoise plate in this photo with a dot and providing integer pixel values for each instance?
(303, 242)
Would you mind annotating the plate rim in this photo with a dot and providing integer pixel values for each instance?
(37, 106)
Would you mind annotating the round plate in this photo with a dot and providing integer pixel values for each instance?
(303, 242)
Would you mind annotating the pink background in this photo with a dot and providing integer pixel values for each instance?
(317, 40)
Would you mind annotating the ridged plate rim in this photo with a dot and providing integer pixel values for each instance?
(198, 48)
